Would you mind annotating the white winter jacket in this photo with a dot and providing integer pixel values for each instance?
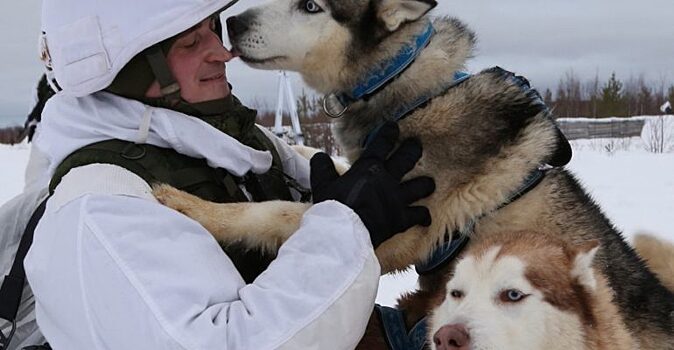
(113, 269)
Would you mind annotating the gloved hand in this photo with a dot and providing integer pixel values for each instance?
(372, 187)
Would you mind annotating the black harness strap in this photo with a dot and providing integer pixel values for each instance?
(12, 286)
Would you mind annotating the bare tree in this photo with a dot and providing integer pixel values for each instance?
(593, 94)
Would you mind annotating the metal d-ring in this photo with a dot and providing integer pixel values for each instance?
(132, 151)
(333, 101)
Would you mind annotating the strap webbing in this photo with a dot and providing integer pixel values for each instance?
(13, 284)
(170, 90)
(397, 337)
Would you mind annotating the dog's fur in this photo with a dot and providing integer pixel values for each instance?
(561, 301)
(481, 139)
(658, 255)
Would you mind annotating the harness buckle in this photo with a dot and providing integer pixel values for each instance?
(333, 107)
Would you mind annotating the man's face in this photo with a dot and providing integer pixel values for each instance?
(197, 60)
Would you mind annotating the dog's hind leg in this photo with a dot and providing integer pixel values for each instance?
(263, 225)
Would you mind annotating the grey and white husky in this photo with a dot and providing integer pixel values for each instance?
(483, 138)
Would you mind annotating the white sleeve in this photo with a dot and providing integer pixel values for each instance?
(149, 277)
(294, 164)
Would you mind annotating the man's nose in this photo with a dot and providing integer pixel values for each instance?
(218, 52)
(222, 54)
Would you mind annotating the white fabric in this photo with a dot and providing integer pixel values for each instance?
(90, 41)
(69, 123)
(100, 179)
(112, 269)
(38, 164)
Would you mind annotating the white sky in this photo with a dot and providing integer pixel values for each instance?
(539, 39)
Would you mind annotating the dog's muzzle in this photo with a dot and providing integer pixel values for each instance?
(236, 27)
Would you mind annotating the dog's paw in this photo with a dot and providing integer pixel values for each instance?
(175, 198)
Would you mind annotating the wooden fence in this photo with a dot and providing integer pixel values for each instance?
(319, 135)
(582, 128)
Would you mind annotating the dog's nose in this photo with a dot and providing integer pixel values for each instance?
(452, 337)
(236, 26)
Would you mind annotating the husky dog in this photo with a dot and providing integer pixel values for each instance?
(483, 139)
(527, 290)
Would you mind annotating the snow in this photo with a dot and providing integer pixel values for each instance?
(635, 189)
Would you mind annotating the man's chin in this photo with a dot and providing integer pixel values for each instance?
(210, 93)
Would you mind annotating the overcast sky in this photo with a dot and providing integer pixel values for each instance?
(539, 39)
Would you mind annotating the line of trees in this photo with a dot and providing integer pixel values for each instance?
(611, 98)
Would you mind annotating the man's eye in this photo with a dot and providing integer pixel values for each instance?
(311, 7)
(192, 44)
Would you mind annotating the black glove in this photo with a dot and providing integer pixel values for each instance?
(372, 186)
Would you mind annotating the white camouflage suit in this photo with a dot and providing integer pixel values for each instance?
(113, 269)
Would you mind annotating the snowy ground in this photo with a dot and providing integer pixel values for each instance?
(635, 188)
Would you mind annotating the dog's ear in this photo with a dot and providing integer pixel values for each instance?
(393, 13)
(563, 152)
(582, 264)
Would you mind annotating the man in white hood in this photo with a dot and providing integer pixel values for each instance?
(113, 269)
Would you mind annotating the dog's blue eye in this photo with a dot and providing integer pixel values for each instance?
(512, 296)
(312, 7)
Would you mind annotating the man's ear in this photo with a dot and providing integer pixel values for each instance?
(582, 264)
(393, 13)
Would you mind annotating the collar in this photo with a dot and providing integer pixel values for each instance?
(451, 249)
(336, 104)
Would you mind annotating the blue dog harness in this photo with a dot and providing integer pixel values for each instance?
(336, 104)
(397, 337)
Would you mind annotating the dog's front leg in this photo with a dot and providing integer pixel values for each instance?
(264, 225)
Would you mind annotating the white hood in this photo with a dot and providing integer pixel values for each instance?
(89, 41)
(70, 123)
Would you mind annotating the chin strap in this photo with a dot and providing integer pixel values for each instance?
(336, 104)
(169, 88)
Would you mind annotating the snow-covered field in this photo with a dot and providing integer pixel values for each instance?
(635, 188)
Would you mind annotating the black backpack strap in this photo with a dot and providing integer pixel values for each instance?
(13, 284)
(153, 164)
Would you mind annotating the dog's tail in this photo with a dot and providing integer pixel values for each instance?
(659, 255)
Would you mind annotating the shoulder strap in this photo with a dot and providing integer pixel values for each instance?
(153, 164)
(128, 155)
(12, 286)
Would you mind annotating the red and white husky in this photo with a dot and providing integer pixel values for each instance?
(528, 291)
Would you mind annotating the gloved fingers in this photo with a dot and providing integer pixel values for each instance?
(383, 143)
(404, 158)
(323, 171)
(416, 189)
(417, 216)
